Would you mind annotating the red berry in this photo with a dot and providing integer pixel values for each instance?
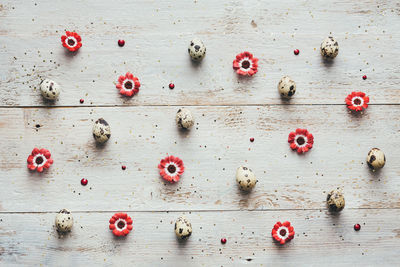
(123, 167)
(357, 227)
(171, 86)
(81, 100)
(84, 181)
(121, 43)
(252, 139)
(364, 77)
(296, 51)
(223, 240)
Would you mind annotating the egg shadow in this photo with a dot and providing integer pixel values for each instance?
(376, 174)
(182, 242)
(183, 132)
(327, 62)
(100, 146)
(62, 235)
(48, 102)
(196, 64)
(285, 102)
(334, 215)
(245, 197)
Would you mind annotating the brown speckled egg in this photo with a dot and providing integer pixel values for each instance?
(335, 200)
(101, 131)
(183, 228)
(50, 89)
(286, 87)
(329, 48)
(376, 159)
(64, 221)
(245, 178)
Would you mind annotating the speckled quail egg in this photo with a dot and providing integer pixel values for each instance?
(335, 200)
(184, 118)
(286, 87)
(376, 159)
(183, 228)
(101, 131)
(245, 178)
(50, 89)
(64, 221)
(197, 50)
(329, 48)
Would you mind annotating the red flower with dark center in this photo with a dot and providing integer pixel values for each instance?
(120, 224)
(39, 159)
(71, 41)
(301, 140)
(171, 168)
(357, 101)
(283, 232)
(245, 64)
(128, 85)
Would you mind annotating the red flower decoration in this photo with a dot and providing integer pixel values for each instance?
(120, 224)
(71, 41)
(357, 101)
(128, 85)
(283, 232)
(301, 140)
(39, 159)
(171, 168)
(245, 64)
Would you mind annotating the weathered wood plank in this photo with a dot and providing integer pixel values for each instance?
(321, 239)
(157, 35)
(212, 150)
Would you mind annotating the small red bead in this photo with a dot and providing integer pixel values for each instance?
(357, 227)
(123, 167)
(121, 43)
(252, 139)
(296, 51)
(81, 101)
(364, 77)
(223, 240)
(171, 86)
(84, 181)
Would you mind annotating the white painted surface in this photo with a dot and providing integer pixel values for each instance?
(228, 110)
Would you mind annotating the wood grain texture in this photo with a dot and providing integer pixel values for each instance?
(228, 111)
(321, 239)
(212, 150)
(157, 34)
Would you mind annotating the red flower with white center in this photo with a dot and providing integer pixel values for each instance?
(71, 41)
(39, 159)
(120, 224)
(301, 140)
(171, 168)
(245, 64)
(357, 101)
(283, 232)
(128, 85)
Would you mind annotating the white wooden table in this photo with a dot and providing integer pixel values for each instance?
(228, 110)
